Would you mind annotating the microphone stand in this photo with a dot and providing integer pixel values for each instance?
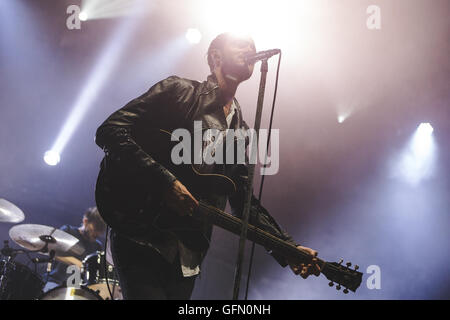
(249, 186)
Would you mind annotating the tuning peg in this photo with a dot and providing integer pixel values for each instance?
(345, 291)
(331, 283)
(338, 287)
(348, 264)
(340, 261)
(356, 267)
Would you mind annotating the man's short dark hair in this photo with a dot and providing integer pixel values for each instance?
(93, 216)
(218, 43)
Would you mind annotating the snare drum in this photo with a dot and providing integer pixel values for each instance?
(18, 282)
(70, 293)
(98, 274)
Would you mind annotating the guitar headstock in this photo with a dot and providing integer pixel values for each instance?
(342, 275)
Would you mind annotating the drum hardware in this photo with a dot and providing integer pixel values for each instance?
(17, 281)
(100, 276)
(42, 239)
(71, 293)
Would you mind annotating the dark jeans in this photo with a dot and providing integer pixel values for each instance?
(145, 275)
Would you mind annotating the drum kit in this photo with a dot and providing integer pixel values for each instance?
(19, 282)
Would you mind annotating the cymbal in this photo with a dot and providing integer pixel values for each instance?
(35, 236)
(10, 213)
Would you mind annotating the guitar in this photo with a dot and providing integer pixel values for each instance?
(128, 204)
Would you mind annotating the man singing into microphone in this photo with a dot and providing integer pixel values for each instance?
(166, 267)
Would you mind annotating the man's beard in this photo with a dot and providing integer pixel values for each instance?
(236, 72)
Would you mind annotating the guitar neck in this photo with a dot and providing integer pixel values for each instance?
(351, 279)
(259, 236)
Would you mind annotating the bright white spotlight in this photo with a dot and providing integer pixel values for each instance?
(193, 35)
(52, 158)
(270, 23)
(422, 142)
(83, 16)
(345, 109)
(418, 159)
(425, 129)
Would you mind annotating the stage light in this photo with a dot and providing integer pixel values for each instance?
(422, 142)
(106, 9)
(83, 16)
(270, 23)
(346, 107)
(52, 158)
(343, 112)
(100, 72)
(425, 129)
(417, 162)
(193, 35)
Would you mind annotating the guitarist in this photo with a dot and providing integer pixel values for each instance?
(165, 266)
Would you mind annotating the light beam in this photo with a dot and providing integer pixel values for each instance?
(417, 162)
(100, 73)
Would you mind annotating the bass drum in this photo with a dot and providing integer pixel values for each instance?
(18, 282)
(71, 293)
(100, 276)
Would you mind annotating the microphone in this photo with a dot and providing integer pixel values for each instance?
(253, 57)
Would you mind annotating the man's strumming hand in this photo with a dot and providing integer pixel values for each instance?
(180, 200)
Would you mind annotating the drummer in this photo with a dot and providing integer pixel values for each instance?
(92, 228)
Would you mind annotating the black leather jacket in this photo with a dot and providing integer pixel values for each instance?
(170, 104)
